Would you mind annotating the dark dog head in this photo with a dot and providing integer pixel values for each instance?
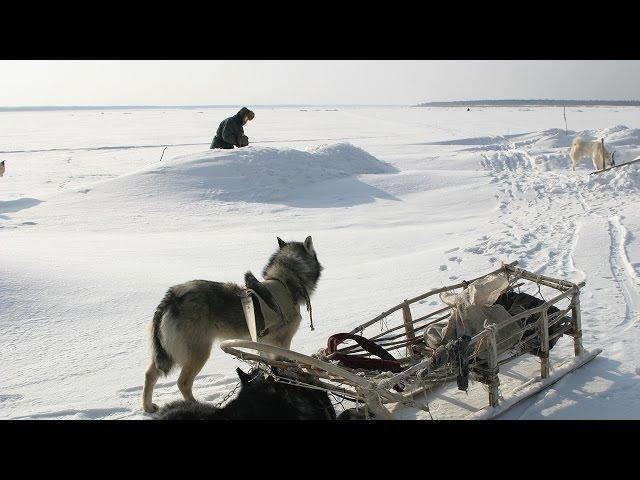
(262, 397)
(295, 260)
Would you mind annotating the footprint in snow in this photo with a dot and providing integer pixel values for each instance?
(443, 268)
(10, 397)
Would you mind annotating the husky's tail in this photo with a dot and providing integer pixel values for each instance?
(263, 292)
(161, 357)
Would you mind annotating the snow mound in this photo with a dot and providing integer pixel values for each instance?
(606, 132)
(617, 135)
(624, 136)
(548, 150)
(618, 180)
(527, 156)
(252, 174)
(552, 138)
(547, 162)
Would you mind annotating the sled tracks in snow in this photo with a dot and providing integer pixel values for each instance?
(623, 272)
(539, 209)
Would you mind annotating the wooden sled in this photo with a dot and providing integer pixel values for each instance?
(424, 369)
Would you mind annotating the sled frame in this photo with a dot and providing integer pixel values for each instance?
(374, 388)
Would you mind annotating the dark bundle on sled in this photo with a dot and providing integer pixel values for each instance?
(516, 303)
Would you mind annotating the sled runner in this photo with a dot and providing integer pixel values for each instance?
(477, 332)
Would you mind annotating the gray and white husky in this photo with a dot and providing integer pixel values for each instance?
(193, 315)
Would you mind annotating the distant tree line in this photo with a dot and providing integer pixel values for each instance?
(533, 103)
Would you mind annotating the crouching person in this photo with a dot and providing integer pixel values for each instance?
(230, 132)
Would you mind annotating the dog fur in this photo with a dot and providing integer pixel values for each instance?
(193, 315)
(581, 148)
(260, 398)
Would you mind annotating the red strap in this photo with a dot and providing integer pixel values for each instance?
(385, 363)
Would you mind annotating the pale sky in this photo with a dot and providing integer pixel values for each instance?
(262, 82)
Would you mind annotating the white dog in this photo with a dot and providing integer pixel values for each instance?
(581, 148)
(2, 169)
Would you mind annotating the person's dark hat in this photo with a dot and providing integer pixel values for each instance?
(245, 111)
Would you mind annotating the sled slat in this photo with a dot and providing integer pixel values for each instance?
(408, 326)
(577, 325)
(544, 344)
(492, 380)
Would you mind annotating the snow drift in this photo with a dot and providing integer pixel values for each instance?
(548, 150)
(252, 174)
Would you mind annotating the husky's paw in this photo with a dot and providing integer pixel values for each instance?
(153, 408)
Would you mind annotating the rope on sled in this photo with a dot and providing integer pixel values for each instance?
(308, 300)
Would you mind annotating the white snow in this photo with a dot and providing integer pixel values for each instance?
(94, 229)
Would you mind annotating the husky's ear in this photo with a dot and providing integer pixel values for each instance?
(244, 377)
(281, 242)
(308, 244)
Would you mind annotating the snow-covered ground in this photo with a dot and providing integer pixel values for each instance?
(94, 228)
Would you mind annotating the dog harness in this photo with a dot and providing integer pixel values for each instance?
(305, 294)
(272, 320)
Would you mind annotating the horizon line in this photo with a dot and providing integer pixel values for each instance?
(233, 105)
(488, 102)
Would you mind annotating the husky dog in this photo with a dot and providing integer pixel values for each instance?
(260, 398)
(2, 168)
(581, 148)
(192, 315)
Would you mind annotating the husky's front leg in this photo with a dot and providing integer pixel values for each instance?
(574, 160)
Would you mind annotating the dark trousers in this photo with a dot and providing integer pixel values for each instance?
(219, 143)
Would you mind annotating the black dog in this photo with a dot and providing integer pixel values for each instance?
(260, 398)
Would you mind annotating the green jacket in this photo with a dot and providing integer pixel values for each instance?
(230, 133)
